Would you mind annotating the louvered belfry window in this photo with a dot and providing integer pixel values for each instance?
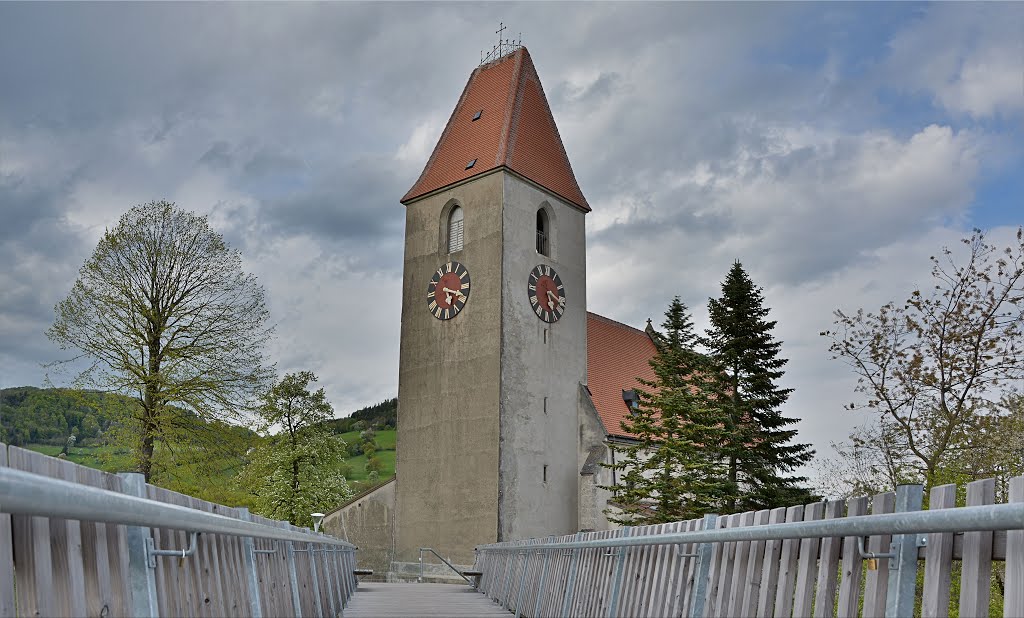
(455, 227)
(542, 232)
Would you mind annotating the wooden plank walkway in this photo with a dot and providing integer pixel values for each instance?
(378, 600)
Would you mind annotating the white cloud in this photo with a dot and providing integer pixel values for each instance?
(968, 56)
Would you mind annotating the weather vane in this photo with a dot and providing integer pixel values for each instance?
(504, 46)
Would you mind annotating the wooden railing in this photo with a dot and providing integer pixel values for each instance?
(63, 554)
(807, 560)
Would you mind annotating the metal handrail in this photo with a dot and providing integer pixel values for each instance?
(450, 566)
(25, 493)
(965, 519)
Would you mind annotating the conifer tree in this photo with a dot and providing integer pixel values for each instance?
(673, 471)
(758, 449)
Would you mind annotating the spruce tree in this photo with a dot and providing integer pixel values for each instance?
(672, 472)
(758, 449)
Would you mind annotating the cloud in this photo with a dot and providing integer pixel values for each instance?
(968, 57)
(824, 146)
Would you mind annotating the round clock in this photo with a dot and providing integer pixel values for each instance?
(448, 291)
(547, 294)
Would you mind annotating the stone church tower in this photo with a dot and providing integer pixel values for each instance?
(494, 326)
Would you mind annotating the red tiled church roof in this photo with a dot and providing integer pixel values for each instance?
(616, 356)
(515, 130)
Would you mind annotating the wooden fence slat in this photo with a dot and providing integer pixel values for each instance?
(6, 555)
(728, 561)
(714, 570)
(738, 586)
(787, 567)
(877, 583)
(976, 571)
(828, 569)
(1013, 599)
(938, 563)
(807, 568)
(849, 585)
(665, 561)
(770, 570)
(682, 593)
(31, 535)
(755, 566)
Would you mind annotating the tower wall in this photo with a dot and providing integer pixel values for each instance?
(538, 361)
(449, 381)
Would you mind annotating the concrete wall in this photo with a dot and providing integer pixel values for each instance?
(369, 524)
(448, 385)
(593, 451)
(538, 361)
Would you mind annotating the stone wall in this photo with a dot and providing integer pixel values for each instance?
(368, 523)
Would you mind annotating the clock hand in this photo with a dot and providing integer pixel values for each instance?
(552, 298)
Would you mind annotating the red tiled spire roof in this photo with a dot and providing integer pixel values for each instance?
(515, 130)
(616, 356)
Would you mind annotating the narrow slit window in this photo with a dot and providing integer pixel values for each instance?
(455, 230)
(545, 405)
(542, 232)
(545, 473)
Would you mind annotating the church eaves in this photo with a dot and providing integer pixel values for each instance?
(502, 119)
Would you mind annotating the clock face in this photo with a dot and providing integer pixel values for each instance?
(547, 294)
(448, 291)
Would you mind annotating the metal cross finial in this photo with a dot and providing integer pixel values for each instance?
(501, 29)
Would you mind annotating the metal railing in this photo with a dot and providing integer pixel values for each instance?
(441, 558)
(228, 544)
(716, 571)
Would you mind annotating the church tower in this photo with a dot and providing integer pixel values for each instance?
(494, 325)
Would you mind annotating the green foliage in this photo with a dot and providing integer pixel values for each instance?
(297, 471)
(383, 415)
(758, 448)
(937, 369)
(673, 471)
(164, 313)
(30, 415)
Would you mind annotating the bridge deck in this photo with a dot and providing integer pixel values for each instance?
(377, 600)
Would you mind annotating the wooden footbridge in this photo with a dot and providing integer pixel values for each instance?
(79, 542)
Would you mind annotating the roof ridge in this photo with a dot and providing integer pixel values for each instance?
(623, 324)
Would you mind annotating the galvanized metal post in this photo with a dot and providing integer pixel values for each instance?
(903, 566)
(315, 584)
(702, 572)
(142, 579)
(522, 582)
(293, 578)
(570, 581)
(510, 567)
(620, 559)
(252, 576)
(543, 580)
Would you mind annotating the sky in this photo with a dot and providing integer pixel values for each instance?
(831, 148)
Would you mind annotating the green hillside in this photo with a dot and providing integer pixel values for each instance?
(204, 466)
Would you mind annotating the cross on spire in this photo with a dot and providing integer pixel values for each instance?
(504, 46)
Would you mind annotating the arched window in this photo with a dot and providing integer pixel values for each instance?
(455, 236)
(543, 230)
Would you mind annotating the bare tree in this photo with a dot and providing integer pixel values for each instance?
(163, 312)
(934, 367)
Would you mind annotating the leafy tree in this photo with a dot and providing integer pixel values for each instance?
(935, 367)
(374, 464)
(758, 448)
(163, 312)
(673, 471)
(297, 471)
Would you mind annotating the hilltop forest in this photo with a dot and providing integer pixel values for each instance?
(45, 419)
